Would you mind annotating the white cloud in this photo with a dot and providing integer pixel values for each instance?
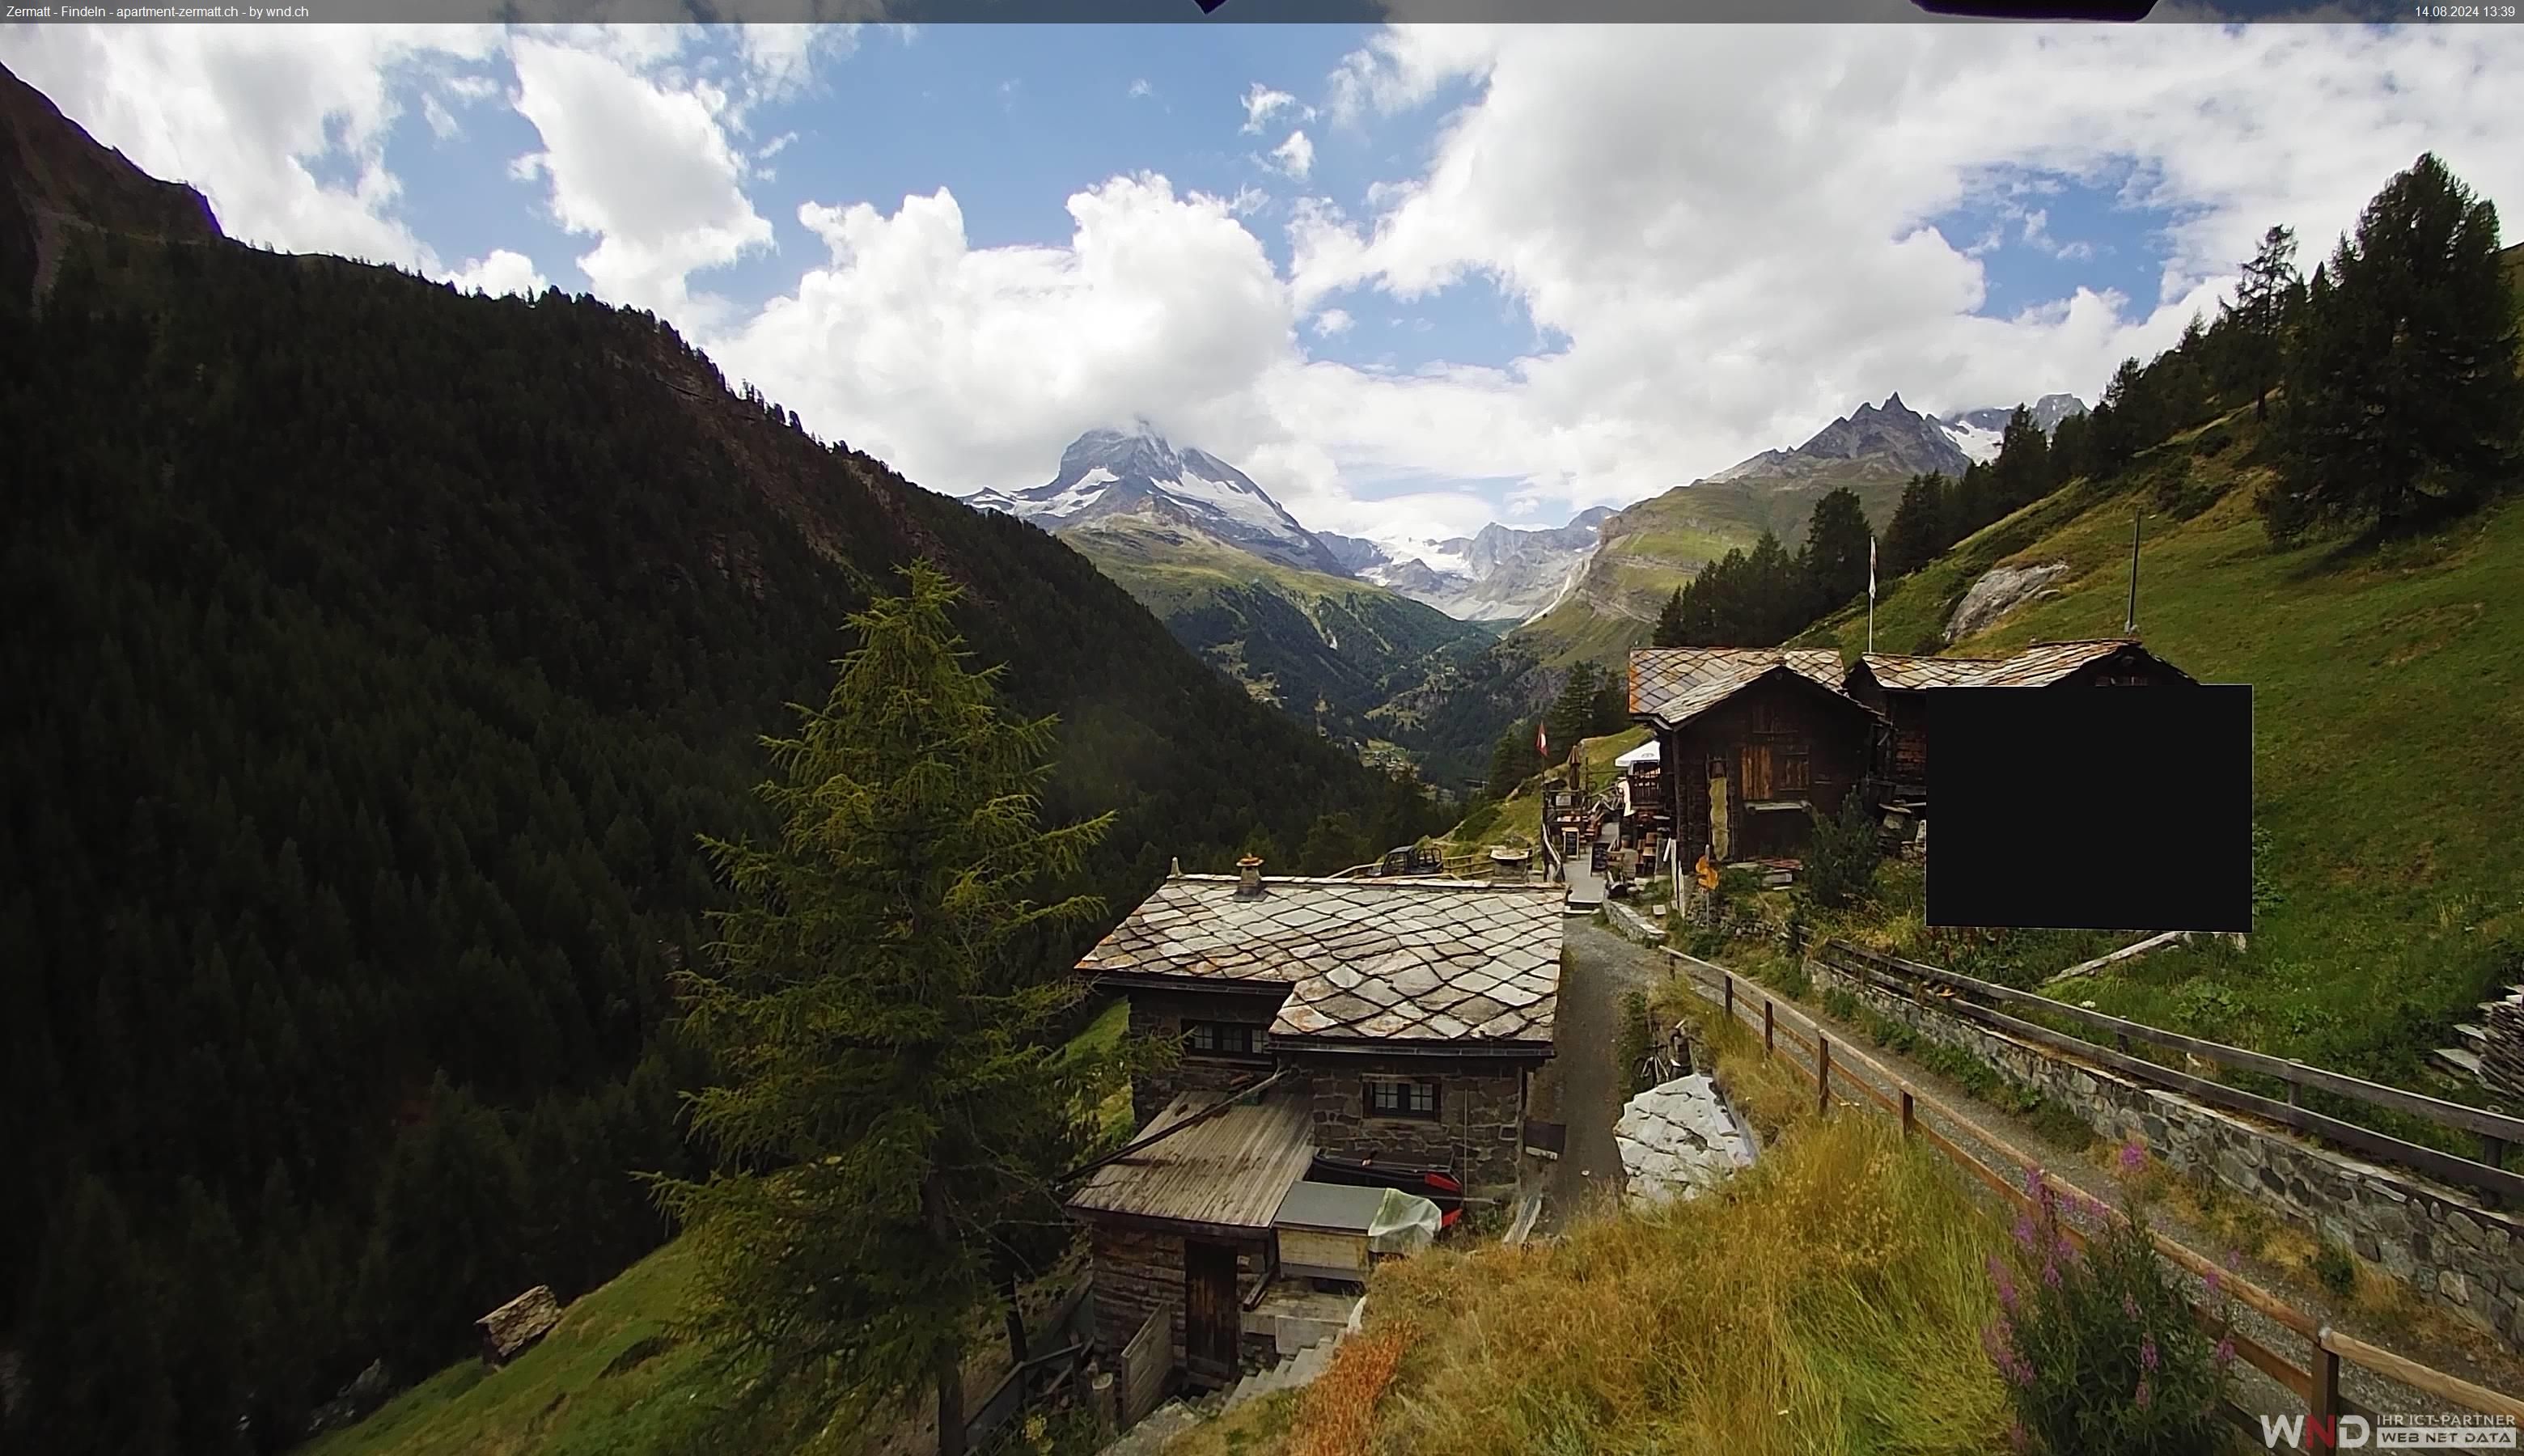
(1141, 87)
(1261, 104)
(442, 121)
(1295, 158)
(1331, 323)
(645, 168)
(501, 271)
(250, 114)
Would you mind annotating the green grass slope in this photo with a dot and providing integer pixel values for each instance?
(1328, 648)
(2388, 698)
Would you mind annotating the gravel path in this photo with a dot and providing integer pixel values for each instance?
(2253, 1390)
(1583, 1085)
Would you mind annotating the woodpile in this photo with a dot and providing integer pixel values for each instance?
(2502, 1057)
(515, 1326)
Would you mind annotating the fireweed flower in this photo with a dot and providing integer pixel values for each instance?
(2024, 1229)
(2034, 1184)
(2133, 1155)
(2144, 1393)
(2147, 1358)
(2216, 1280)
(2050, 1272)
(2225, 1352)
(2129, 1306)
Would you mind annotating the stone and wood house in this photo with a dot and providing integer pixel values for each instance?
(1753, 741)
(1897, 685)
(1389, 1023)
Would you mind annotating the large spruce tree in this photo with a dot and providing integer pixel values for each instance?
(2403, 401)
(892, 1112)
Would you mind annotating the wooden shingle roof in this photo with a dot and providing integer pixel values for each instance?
(1673, 685)
(1428, 961)
(1226, 1175)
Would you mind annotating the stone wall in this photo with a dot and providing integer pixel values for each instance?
(1477, 1134)
(1138, 1273)
(2502, 1054)
(1163, 1013)
(2445, 1244)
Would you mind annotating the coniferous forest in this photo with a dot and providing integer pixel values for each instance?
(376, 656)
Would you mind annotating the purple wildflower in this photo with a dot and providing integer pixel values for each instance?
(2129, 1307)
(2006, 1290)
(2144, 1393)
(2225, 1352)
(2018, 1439)
(2024, 1229)
(2216, 1280)
(2050, 1272)
(2133, 1155)
(2147, 1359)
(2034, 1184)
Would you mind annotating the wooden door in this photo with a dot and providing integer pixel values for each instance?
(1213, 1318)
(1756, 771)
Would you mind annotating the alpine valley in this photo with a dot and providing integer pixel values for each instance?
(1425, 648)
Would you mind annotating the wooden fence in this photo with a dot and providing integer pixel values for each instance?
(1146, 1361)
(2496, 1131)
(2316, 1383)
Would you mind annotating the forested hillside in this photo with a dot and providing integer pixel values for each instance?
(376, 656)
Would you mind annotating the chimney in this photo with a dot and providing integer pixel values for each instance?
(1174, 868)
(1250, 867)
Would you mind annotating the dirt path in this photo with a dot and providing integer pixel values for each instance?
(1582, 1086)
(2255, 1391)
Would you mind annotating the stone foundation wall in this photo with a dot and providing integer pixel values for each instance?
(1137, 1273)
(1477, 1134)
(2445, 1244)
(2502, 1061)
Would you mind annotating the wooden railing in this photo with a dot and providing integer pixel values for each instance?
(2316, 1383)
(1935, 985)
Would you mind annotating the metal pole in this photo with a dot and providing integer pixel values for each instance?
(2130, 627)
(1822, 1073)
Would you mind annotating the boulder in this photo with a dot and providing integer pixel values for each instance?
(1678, 1139)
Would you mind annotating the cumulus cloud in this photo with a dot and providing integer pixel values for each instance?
(1295, 158)
(499, 271)
(1331, 323)
(642, 166)
(1141, 87)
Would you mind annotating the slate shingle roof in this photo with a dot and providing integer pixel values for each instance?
(1902, 673)
(1676, 684)
(1424, 960)
(2037, 666)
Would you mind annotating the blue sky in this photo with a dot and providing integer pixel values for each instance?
(1520, 272)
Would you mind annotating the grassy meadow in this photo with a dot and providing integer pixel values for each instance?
(2388, 696)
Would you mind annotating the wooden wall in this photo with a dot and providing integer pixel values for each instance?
(1781, 724)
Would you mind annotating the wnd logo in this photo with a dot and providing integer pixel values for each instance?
(2334, 1432)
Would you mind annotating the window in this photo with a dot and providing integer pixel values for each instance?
(1222, 1039)
(1401, 1098)
(1792, 768)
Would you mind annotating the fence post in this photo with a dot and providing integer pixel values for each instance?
(1907, 1117)
(2322, 1430)
(1729, 977)
(1822, 1073)
(1767, 1044)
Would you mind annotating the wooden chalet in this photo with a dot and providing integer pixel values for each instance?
(1371, 1024)
(1897, 687)
(1753, 741)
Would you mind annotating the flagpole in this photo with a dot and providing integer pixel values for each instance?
(1871, 593)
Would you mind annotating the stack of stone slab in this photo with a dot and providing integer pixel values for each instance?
(2501, 1054)
(1678, 1139)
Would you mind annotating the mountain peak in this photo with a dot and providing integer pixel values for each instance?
(1106, 473)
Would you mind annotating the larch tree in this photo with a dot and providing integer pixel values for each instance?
(893, 1108)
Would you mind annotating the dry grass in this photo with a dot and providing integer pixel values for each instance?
(1337, 1412)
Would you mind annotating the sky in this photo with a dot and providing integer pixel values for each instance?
(1410, 278)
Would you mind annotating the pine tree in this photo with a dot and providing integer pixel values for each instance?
(2258, 314)
(890, 1106)
(96, 1372)
(1572, 714)
(1837, 537)
(1670, 630)
(2023, 468)
(1513, 759)
(2403, 401)
(1612, 701)
(1917, 533)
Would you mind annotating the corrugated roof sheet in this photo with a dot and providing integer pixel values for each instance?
(1231, 1172)
(1411, 960)
(1677, 684)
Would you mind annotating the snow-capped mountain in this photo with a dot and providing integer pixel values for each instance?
(1105, 473)
(1978, 433)
(1500, 573)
